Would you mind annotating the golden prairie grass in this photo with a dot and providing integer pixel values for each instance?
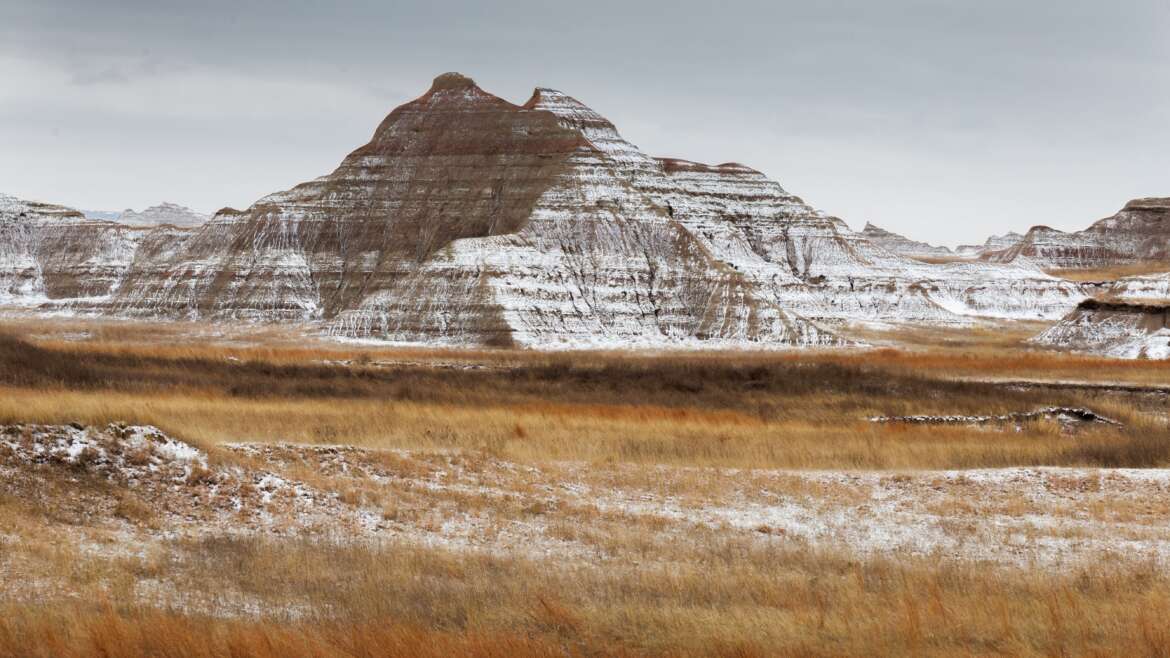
(780, 410)
(278, 344)
(713, 592)
(538, 431)
(717, 593)
(729, 598)
(986, 350)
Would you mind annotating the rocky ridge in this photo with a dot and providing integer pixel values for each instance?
(1138, 233)
(903, 246)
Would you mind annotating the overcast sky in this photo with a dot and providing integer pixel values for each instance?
(941, 119)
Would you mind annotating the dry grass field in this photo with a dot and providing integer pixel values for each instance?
(1110, 273)
(349, 500)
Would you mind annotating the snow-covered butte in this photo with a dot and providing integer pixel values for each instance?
(471, 220)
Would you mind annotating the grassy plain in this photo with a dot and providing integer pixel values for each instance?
(663, 422)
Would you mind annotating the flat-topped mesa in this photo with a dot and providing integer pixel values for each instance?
(1151, 308)
(1130, 319)
(11, 206)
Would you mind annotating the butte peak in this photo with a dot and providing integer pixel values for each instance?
(452, 80)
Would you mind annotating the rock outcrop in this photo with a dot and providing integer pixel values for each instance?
(1123, 329)
(1129, 318)
(902, 245)
(468, 220)
(1139, 233)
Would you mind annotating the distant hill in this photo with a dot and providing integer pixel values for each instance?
(164, 213)
(1138, 233)
(902, 245)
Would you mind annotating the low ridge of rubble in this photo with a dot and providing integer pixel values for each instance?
(1069, 417)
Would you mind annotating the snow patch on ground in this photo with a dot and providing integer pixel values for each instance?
(1052, 517)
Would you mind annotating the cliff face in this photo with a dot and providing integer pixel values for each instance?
(1139, 233)
(803, 260)
(467, 219)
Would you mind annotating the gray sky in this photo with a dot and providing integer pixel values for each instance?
(941, 119)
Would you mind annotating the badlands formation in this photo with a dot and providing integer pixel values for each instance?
(469, 220)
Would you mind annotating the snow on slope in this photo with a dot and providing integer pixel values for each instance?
(1150, 287)
(805, 261)
(1116, 329)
